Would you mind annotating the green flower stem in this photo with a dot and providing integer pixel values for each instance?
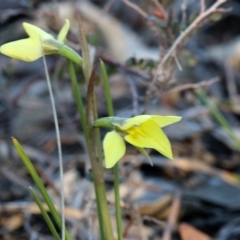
(87, 70)
(45, 215)
(116, 167)
(99, 213)
(100, 190)
(100, 160)
(78, 98)
(40, 185)
(219, 117)
(82, 115)
(117, 202)
(98, 176)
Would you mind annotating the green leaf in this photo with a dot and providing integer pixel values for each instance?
(45, 215)
(39, 184)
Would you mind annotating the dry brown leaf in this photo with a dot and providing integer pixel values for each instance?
(188, 232)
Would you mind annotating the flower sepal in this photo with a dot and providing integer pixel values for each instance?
(109, 122)
(54, 46)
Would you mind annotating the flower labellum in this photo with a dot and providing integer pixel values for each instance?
(40, 43)
(143, 131)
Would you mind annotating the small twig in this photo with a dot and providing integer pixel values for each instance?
(194, 85)
(192, 26)
(160, 8)
(136, 8)
(202, 6)
(152, 219)
(173, 216)
(177, 62)
(127, 228)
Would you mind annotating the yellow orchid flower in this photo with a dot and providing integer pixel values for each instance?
(143, 131)
(39, 43)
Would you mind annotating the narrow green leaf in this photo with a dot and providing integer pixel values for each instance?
(107, 89)
(45, 215)
(77, 96)
(39, 184)
(219, 117)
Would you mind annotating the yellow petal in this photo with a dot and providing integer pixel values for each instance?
(25, 50)
(134, 121)
(149, 135)
(35, 33)
(163, 121)
(114, 148)
(64, 31)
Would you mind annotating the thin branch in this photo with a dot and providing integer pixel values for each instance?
(160, 8)
(195, 85)
(136, 8)
(202, 6)
(177, 62)
(173, 216)
(194, 24)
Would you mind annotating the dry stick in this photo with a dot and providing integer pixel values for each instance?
(201, 17)
(136, 8)
(160, 8)
(202, 6)
(173, 216)
(189, 86)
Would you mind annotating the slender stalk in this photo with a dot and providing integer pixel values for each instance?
(59, 149)
(117, 201)
(100, 160)
(100, 218)
(100, 190)
(82, 116)
(116, 167)
(98, 176)
(77, 98)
